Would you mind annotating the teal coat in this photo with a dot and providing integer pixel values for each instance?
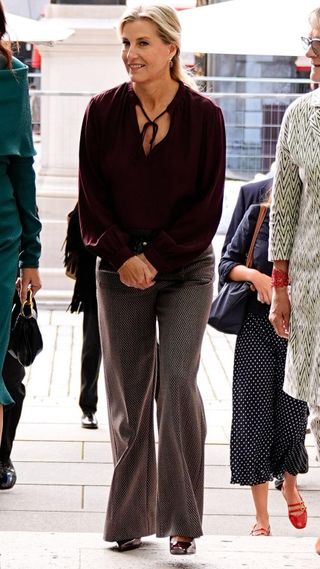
(16, 142)
(19, 221)
(15, 115)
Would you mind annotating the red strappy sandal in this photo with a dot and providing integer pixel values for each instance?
(298, 520)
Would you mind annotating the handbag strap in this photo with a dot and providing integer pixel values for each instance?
(29, 308)
(261, 216)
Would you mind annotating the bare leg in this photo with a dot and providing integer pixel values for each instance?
(260, 498)
(297, 511)
(290, 490)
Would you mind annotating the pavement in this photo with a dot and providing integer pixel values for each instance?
(53, 517)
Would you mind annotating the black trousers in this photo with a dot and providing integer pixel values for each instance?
(13, 374)
(90, 360)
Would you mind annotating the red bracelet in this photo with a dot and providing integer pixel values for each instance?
(279, 278)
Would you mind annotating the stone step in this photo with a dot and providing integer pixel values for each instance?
(35, 550)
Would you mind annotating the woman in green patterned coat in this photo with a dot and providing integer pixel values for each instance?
(295, 237)
(19, 222)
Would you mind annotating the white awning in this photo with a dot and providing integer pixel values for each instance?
(33, 31)
(249, 27)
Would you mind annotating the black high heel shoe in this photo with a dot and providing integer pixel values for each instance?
(182, 547)
(127, 544)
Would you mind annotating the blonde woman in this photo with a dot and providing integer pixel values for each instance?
(152, 162)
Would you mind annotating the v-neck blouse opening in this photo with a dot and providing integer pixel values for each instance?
(134, 99)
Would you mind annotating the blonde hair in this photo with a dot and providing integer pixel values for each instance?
(169, 30)
(314, 18)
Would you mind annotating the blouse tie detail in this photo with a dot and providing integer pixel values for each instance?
(151, 123)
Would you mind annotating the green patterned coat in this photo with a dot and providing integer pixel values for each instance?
(295, 236)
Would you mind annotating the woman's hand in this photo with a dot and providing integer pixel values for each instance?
(280, 311)
(135, 273)
(29, 278)
(151, 268)
(262, 284)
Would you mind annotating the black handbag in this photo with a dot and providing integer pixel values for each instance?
(25, 339)
(229, 308)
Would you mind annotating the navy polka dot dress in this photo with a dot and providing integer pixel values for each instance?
(268, 426)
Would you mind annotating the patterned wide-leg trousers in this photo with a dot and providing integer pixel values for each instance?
(146, 497)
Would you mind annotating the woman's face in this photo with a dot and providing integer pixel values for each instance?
(313, 53)
(144, 54)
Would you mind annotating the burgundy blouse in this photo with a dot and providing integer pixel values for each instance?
(176, 191)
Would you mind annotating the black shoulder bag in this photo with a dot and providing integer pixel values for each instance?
(229, 308)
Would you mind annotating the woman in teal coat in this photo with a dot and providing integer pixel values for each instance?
(19, 222)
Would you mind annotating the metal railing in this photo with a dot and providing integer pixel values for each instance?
(252, 121)
(253, 109)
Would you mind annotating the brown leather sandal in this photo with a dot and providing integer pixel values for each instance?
(177, 547)
(127, 544)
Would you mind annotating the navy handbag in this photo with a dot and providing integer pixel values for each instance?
(229, 308)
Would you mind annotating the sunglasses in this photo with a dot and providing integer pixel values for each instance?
(314, 42)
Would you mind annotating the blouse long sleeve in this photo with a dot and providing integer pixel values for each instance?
(22, 176)
(193, 230)
(101, 232)
(286, 194)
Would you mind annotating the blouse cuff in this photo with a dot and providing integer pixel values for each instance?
(117, 259)
(156, 260)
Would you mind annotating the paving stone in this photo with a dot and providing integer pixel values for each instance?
(50, 450)
(97, 452)
(39, 558)
(60, 432)
(48, 521)
(64, 472)
(95, 498)
(56, 550)
(50, 498)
